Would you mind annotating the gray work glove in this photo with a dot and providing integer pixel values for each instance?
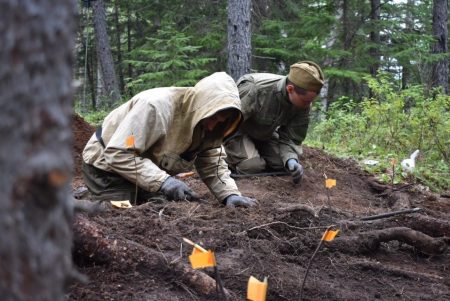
(234, 200)
(177, 190)
(296, 170)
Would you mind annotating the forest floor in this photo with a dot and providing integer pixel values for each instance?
(139, 254)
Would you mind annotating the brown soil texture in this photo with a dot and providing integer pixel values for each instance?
(82, 132)
(273, 241)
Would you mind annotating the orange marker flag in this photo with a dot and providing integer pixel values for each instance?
(201, 258)
(257, 290)
(329, 235)
(329, 183)
(129, 142)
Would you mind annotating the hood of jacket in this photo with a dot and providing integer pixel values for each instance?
(212, 94)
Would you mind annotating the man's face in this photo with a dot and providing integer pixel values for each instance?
(211, 122)
(300, 100)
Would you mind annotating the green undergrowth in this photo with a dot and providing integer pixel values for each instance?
(94, 118)
(388, 128)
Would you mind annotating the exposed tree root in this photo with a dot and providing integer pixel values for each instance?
(312, 211)
(92, 244)
(396, 198)
(377, 186)
(370, 241)
(299, 207)
(335, 210)
(429, 225)
(394, 271)
(399, 200)
(385, 189)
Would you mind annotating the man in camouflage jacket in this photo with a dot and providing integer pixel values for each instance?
(276, 117)
(173, 130)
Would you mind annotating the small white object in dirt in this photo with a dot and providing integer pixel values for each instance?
(409, 164)
(371, 162)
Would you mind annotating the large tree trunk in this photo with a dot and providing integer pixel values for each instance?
(90, 71)
(375, 36)
(239, 38)
(129, 46)
(325, 94)
(37, 39)
(104, 55)
(345, 85)
(440, 32)
(119, 46)
(406, 63)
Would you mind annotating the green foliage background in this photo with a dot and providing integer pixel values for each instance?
(387, 128)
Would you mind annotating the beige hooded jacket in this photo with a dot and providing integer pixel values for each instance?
(168, 136)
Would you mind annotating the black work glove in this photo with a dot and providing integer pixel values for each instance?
(177, 190)
(234, 200)
(296, 170)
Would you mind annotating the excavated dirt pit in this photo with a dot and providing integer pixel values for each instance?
(276, 239)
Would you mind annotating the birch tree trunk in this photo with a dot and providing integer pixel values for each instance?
(440, 33)
(239, 38)
(104, 55)
(37, 40)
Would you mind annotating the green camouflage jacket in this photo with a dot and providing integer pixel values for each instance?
(268, 113)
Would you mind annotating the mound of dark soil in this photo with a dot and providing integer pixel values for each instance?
(276, 239)
(82, 132)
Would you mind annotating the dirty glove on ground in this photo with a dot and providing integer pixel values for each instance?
(296, 170)
(235, 200)
(177, 190)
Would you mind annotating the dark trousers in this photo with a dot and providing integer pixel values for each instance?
(108, 186)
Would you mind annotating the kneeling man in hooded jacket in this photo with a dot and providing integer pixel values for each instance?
(172, 130)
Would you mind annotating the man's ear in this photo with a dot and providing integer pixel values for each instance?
(289, 88)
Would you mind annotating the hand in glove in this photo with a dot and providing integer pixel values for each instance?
(296, 170)
(235, 200)
(177, 190)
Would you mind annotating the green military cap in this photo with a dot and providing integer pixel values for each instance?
(306, 75)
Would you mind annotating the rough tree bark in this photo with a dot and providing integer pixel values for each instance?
(104, 55)
(37, 39)
(325, 95)
(440, 32)
(375, 36)
(409, 27)
(119, 46)
(239, 38)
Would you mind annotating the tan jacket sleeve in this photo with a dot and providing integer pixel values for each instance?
(215, 174)
(147, 126)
